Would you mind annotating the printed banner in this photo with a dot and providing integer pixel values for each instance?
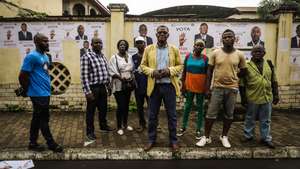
(20, 35)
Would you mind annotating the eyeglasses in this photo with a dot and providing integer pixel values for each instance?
(162, 32)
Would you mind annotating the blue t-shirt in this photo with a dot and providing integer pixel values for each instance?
(36, 64)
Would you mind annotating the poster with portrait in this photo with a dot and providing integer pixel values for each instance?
(55, 35)
(9, 35)
(56, 51)
(214, 30)
(54, 31)
(37, 27)
(68, 30)
(25, 48)
(295, 40)
(295, 57)
(96, 30)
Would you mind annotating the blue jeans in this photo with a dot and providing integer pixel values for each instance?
(167, 94)
(263, 111)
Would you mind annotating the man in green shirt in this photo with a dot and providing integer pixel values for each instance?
(259, 89)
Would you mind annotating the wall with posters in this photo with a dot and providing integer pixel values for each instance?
(64, 42)
(295, 54)
(65, 47)
(189, 30)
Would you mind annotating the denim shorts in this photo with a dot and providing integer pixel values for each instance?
(222, 96)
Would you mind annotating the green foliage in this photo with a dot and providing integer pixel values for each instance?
(132, 106)
(266, 7)
(31, 14)
(24, 12)
(14, 108)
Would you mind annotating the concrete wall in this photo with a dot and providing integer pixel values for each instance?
(52, 8)
(8, 11)
(120, 28)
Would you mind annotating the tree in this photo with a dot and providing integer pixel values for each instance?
(266, 7)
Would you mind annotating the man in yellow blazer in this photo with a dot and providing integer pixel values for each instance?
(162, 64)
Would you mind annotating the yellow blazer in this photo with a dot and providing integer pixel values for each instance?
(148, 65)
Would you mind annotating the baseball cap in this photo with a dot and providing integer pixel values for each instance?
(139, 38)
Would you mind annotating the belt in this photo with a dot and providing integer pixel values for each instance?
(97, 85)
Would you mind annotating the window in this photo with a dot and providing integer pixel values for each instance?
(93, 12)
(78, 10)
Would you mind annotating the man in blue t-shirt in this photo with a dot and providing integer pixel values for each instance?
(35, 80)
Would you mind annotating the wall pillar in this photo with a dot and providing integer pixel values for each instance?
(284, 35)
(116, 24)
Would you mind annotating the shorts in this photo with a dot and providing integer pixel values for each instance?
(222, 96)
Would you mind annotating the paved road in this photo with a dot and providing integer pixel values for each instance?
(172, 164)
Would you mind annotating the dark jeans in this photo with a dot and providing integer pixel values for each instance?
(40, 119)
(140, 100)
(167, 94)
(100, 102)
(122, 98)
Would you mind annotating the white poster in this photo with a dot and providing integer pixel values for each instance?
(295, 56)
(9, 35)
(246, 33)
(54, 31)
(25, 48)
(96, 30)
(69, 30)
(56, 51)
(283, 44)
(37, 27)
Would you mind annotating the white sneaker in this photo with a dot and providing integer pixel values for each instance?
(225, 141)
(129, 128)
(120, 132)
(203, 140)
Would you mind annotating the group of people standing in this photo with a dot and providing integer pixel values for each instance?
(153, 73)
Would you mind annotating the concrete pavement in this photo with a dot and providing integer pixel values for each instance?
(68, 129)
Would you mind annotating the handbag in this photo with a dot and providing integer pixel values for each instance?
(128, 84)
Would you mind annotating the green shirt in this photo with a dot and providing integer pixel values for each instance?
(258, 86)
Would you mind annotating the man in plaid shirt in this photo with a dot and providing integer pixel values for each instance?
(95, 81)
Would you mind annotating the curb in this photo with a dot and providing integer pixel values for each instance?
(155, 154)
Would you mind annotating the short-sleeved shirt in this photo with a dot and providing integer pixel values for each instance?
(36, 64)
(226, 67)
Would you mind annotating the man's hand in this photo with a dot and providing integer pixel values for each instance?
(275, 100)
(182, 39)
(108, 89)
(208, 94)
(165, 72)
(156, 74)
(90, 97)
(244, 102)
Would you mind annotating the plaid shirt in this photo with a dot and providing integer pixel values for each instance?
(93, 70)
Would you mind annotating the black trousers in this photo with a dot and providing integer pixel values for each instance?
(122, 98)
(100, 102)
(40, 120)
(140, 100)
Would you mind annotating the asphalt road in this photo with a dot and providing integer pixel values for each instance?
(172, 164)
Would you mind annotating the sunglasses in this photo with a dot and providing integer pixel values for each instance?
(162, 32)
